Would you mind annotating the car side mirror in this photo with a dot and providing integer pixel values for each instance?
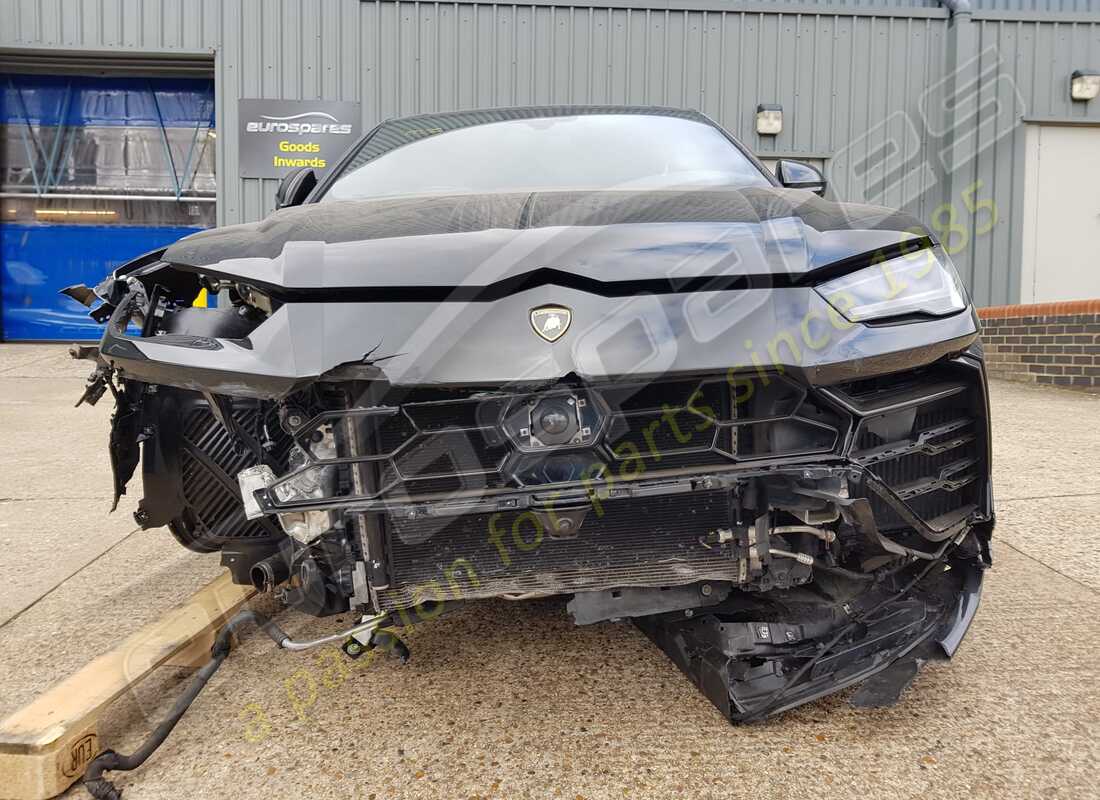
(295, 187)
(798, 175)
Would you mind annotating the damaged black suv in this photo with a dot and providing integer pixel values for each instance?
(598, 352)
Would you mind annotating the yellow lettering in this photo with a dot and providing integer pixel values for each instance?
(807, 337)
(591, 472)
(298, 701)
(299, 147)
(704, 411)
(256, 726)
(629, 453)
(783, 337)
(670, 417)
(451, 572)
(840, 303)
(495, 535)
(337, 671)
(735, 380)
(419, 605)
(517, 536)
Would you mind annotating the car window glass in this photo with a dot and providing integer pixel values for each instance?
(588, 152)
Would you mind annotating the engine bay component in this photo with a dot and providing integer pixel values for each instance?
(617, 604)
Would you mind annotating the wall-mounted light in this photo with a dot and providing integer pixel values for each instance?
(75, 212)
(769, 119)
(1084, 85)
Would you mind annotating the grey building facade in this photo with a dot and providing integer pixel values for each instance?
(905, 103)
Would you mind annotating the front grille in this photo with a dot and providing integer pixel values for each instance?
(929, 450)
(923, 435)
(440, 442)
(652, 542)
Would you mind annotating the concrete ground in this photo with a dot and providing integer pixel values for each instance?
(510, 700)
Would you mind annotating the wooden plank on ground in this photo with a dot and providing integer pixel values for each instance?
(46, 745)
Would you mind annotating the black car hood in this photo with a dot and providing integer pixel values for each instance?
(441, 291)
(606, 237)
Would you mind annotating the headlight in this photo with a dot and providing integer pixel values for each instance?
(924, 282)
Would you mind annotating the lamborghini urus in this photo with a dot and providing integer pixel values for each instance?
(593, 352)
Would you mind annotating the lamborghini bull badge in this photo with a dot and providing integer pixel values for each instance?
(551, 322)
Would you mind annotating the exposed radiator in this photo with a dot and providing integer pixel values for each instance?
(655, 542)
(208, 469)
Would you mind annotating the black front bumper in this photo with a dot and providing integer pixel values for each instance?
(792, 649)
(903, 455)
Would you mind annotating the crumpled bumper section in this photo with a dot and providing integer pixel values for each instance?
(790, 648)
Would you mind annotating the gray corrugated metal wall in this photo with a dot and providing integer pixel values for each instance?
(1036, 60)
(1057, 6)
(407, 58)
(855, 77)
(144, 25)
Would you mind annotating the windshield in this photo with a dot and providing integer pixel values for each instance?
(587, 152)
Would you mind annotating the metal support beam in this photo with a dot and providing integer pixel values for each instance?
(962, 68)
(167, 144)
(188, 177)
(31, 150)
(55, 148)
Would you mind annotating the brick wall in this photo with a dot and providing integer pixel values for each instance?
(1050, 343)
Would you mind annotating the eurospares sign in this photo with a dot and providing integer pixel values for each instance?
(277, 136)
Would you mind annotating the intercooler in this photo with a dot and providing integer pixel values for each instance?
(209, 460)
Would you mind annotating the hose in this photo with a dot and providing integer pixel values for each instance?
(817, 563)
(101, 788)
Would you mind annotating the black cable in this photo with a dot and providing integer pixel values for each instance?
(844, 573)
(817, 563)
(101, 788)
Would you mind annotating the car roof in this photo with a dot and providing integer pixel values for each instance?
(398, 131)
(480, 116)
